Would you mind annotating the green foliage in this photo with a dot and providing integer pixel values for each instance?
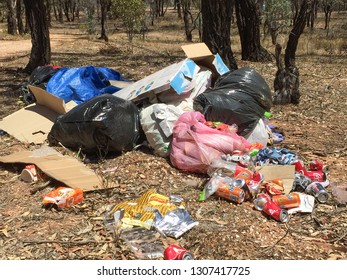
(132, 14)
(277, 15)
(277, 10)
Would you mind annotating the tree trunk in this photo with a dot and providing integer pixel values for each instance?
(179, 11)
(40, 55)
(187, 19)
(295, 10)
(286, 83)
(327, 13)
(19, 9)
(60, 11)
(248, 23)
(312, 15)
(216, 24)
(48, 9)
(103, 7)
(66, 5)
(11, 17)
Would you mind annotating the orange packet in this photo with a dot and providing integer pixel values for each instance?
(63, 197)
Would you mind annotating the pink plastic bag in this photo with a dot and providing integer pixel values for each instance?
(195, 145)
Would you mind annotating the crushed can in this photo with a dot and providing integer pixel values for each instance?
(287, 201)
(175, 252)
(29, 173)
(318, 191)
(315, 165)
(272, 209)
(300, 168)
(261, 199)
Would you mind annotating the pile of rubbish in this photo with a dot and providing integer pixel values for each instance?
(196, 113)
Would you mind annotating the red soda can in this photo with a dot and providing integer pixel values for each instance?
(287, 201)
(261, 199)
(316, 176)
(315, 165)
(300, 168)
(174, 252)
(276, 212)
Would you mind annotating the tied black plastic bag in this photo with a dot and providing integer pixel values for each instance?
(239, 97)
(250, 82)
(102, 124)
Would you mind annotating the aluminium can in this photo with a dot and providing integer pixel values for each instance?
(272, 209)
(315, 165)
(261, 199)
(318, 191)
(287, 201)
(175, 252)
(232, 193)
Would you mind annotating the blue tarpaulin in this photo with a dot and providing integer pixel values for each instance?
(83, 83)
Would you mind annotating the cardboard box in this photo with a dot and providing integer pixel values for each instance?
(32, 123)
(284, 172)
(176, 77)
(203, 57)
(68, 170)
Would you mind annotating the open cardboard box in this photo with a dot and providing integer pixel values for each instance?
(176, 77)
(32, 123)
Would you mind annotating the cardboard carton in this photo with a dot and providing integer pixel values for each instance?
(203, 57)
(32, 123)
(177, 77)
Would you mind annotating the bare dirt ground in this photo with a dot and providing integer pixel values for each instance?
(314, 129)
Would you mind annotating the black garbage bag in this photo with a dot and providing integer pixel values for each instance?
(42, 74)
(39, 77)
(239, 97)
(102, 124)
(248, 81)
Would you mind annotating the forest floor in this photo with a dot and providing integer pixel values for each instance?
(314, 129)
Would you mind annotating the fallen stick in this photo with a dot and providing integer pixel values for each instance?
(40, 187)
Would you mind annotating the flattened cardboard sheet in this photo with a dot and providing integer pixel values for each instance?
(32, 123)
(284, 172)
(65, 169)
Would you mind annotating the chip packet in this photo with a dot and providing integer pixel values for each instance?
(63, 197)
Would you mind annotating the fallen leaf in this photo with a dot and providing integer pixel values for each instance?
(58, 248)
(25, 213)
(5, 231)
(85, 230)
(53, 236)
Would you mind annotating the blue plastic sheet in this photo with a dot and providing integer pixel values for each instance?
(83, 83)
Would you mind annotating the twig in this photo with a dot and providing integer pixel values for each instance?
(65, 242)
(278, 241)
(40, 187)
(338, 238)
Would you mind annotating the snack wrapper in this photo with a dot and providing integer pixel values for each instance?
(63, 197)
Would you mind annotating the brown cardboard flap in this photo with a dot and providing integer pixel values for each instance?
(49, 100)
(284, 172)
(32, 123)
(68, 170)
(197, 51)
